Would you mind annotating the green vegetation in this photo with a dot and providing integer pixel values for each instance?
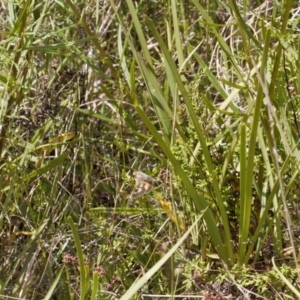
(200, 95)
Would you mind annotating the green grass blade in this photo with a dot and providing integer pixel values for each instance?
(84, 283)
(194, 118)
(245, 202)
(95, 286)
(53, 287)
(137, 285)
(285, 280)
(198, 199)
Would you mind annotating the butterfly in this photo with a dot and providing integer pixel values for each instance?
(143, 184)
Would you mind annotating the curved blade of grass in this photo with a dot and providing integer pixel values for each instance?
(285, 280)
(137, 285)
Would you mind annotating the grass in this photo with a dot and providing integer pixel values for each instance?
(202, 97)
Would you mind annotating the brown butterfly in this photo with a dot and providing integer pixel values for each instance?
(143, 184)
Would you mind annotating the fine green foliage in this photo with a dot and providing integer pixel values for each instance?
(202, 96)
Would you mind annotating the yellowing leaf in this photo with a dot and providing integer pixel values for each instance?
(167, 207)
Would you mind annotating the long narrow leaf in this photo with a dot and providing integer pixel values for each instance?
(137, 285)
(198, 199)
(194, 118)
